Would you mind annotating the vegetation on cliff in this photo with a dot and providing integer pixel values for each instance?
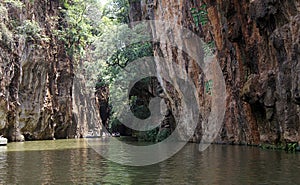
(256, 44)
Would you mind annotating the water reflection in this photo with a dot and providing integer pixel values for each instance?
(3, 163)
(73, 162)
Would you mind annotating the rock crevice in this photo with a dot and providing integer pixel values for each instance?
(38, 87)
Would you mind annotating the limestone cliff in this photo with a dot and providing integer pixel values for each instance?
(258, 48)
(257, 45)
(39, 91)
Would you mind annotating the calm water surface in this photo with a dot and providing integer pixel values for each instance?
(73, 162)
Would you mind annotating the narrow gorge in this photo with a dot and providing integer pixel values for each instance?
(43, 94)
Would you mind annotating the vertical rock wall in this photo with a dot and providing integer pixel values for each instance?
(258, 49)
(39, 99)
(257, 46)
(177, 14)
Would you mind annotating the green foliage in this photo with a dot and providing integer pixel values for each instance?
(30, 29)
(163, 134)
(117, 10)
(291, 147)
(114, 124)
(154, 135)
(200, 15)
(288, 147)
(209, 48)
(127, 54)
(114, 45)
(14, 3)
(3, 13)
(148, 136)
(208, 87)
(6, 36)
(272, 147)
(76, 29)
(139, 111)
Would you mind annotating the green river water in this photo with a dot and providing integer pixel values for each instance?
(74, 162)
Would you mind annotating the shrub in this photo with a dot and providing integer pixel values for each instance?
(31, 30)
(6, 36)
(14, 3)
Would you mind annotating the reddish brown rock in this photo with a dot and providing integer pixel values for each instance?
(258, 50)
(257, 44)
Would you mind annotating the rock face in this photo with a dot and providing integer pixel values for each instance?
(178, 15)
(39, 96)
(257, 45)
(102, 94)
(258, 49)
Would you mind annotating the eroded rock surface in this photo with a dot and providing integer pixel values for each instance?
(40, 93)
(257, 46)
(258, 49)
